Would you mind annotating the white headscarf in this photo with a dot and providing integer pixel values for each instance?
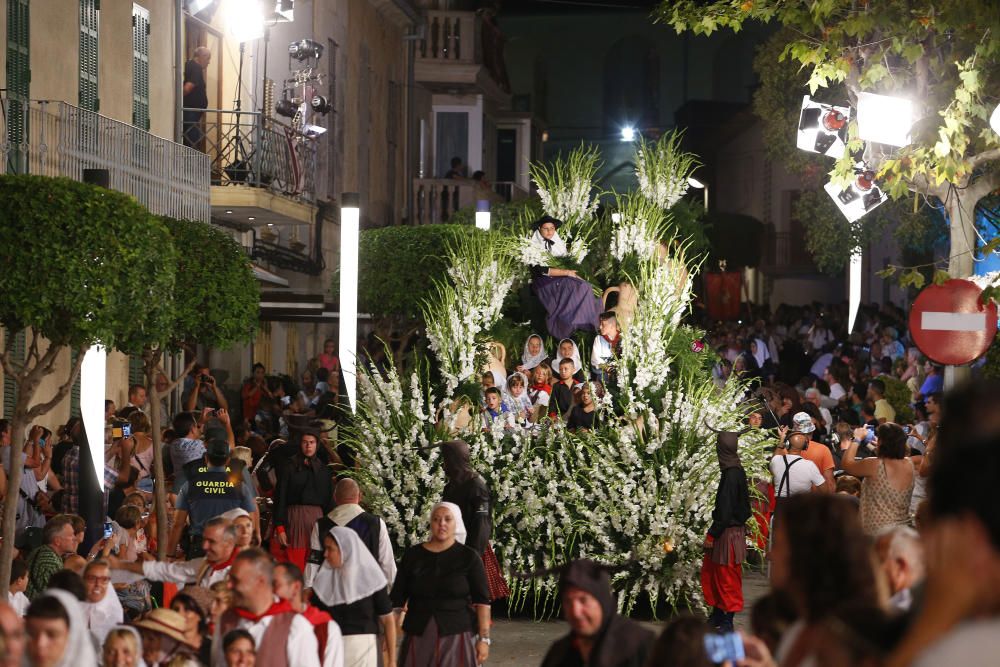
(558, 248)
(79, 646)
(138, 643)
(460, 532)
(234, 514)
(104, 615)
(358, 576)
(577, 364)
(529, 360)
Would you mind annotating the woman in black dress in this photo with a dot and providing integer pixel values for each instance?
(351, 588)
(440, 582)
(303, 495)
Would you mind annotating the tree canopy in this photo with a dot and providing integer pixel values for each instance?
(81, 263)
(217, 300)
(942, 56)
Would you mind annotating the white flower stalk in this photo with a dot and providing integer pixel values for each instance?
(662, 169)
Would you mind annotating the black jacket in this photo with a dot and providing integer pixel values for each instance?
(473, 498)
(732, 501)
(624, 643)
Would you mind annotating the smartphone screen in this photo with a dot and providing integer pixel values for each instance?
(722, 647)
(126, 430)
(107, 529)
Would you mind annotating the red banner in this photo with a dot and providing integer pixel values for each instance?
(723, 291)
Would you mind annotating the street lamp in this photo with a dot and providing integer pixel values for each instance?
(483, 215)
(628, 133)
(350, 224)
(698, 185)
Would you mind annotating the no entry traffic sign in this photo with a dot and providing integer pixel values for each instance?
(950, 325)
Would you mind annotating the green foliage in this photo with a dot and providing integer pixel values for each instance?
(81, 264)
(509, 217)
(217, 298)
(991, 369)
(899, 397)
(401, 265)
(830, 238)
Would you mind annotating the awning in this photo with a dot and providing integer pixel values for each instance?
(289, 306)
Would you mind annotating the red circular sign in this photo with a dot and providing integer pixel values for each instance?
(950, 325)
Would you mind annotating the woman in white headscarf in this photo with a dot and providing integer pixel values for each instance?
(57, 632)
(351, 587)
(122, 648)
(568, 299)
(437, 582)
(534, 354)
(102, 609)
(568, 350)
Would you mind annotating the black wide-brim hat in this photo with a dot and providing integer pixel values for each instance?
(542, 220)
(308, 426)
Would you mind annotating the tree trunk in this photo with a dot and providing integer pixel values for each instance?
(961, 209)
(19, 424)
(152, 360)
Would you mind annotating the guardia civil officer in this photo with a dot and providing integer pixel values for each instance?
(210, 490)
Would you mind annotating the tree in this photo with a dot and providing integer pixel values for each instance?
(941, 56)
(81, 267)
(399, 267)
(214, 302)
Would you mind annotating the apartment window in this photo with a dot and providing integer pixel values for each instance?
(18, 79)
(89, 18)
(140, 67)
(395, 110)
(17, 351)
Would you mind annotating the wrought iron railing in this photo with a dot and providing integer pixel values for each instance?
(245, 148)
(60, 139)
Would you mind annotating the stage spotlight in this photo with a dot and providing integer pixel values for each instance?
(858, 198)
(822, 128)
(304, 49)
(286, 108)
(628, 133)
(320, 104)
(884, 120)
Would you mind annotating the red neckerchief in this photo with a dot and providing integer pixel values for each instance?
(541, 387)
(226, 563)
(316, 616)
(611, 341)
(279, 607)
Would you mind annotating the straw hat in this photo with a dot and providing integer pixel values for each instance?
(166, 622)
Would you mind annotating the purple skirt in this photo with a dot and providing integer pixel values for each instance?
(434, 650)
(570, 304)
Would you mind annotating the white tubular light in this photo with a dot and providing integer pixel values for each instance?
(854, 290)
(93, 371)
(350, 225)
(995, 120)
(483, 215)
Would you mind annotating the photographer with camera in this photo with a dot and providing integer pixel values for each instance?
(205, 392)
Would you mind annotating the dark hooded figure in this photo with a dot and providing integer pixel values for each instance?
(725, 545)
(467, 489)
(599, 636)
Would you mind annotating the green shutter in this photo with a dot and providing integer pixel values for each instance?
(18, 81)
(136, 371)
(74, 394)
(88, 55)
(140, 67)
(17, 352)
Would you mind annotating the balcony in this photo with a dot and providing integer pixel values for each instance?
(462, 52)
(262, 172)
(59, 139)
(436, 199)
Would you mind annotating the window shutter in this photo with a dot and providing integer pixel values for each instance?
(18, 81)
(136, 372)
(89, 20)
(140, 67)
(17, 353)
